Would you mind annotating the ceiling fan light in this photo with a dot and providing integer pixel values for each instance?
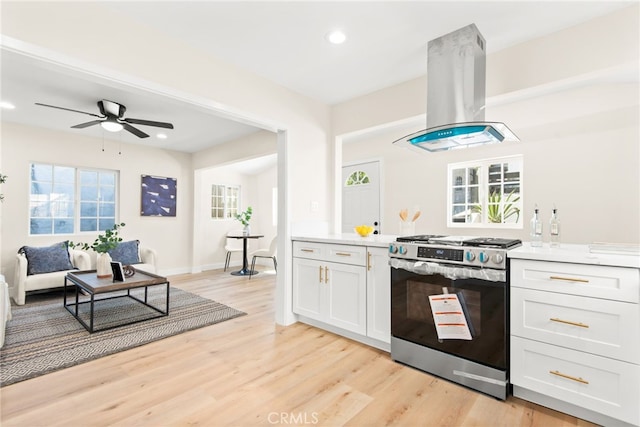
(111, 126)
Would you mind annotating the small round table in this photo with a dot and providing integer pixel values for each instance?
(245, 264)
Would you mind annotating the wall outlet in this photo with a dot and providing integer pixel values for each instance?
(315, 206)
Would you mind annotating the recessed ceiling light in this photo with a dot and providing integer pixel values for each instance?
(7, 105)
(336, 37)
(161, 136)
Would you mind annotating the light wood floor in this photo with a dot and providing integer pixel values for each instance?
(249, 371)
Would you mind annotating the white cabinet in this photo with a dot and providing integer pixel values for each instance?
(575, 338)
(331, 292)
(344, 286)
(378, 294)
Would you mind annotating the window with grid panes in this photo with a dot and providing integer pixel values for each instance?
(225, 201)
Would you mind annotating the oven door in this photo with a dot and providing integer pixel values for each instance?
(474, 328)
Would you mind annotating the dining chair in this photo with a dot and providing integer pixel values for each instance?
(232, 246)
(266, 253)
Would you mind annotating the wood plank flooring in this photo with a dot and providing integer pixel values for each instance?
(249, 371)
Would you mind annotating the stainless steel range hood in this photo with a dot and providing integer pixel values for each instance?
(456, 70)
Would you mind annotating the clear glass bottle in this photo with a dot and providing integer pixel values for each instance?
(536, 229)
(554, 229)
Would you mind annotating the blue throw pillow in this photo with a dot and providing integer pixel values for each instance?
(126, 253)
(47, 259)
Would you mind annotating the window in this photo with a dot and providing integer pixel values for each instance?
(225, 201)
(485, 193)
(67, 200)
(357, 178)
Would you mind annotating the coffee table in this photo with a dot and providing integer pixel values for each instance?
(89, 283)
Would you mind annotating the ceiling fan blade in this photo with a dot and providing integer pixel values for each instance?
(136, 132)
(149, 123)
(68, 109)
(86, 125)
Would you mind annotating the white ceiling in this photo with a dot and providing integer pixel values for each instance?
(283, 42)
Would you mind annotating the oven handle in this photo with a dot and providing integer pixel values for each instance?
(448, 271)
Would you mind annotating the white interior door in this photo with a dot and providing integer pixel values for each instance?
(361, 196)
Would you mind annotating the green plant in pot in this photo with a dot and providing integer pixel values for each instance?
(500, 209)
(105, 242)
(244, 218)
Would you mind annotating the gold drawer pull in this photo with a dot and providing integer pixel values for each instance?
(342, 254)
(320, 267)
(569, 377)
(368, 261)
(568, 279)
(306, 250)
(569, 322)
(326, 275)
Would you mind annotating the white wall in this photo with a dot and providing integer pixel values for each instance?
(578, 118)
(22, 145)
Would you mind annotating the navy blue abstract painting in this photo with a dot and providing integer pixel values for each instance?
(158, 196)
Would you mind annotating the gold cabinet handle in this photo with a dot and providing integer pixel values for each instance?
(569, 377)
(368, 261)
(306, 250)
(320, 268)
(326, 275)
(343, 254)
(568, 279)
(568, 322)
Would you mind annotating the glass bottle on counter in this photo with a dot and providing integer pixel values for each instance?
(554, 229)
(536, 229)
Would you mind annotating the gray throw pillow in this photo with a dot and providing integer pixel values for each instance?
(47, 259)
(126, 253)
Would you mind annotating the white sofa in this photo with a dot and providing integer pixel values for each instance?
(23, 283)
(5, 308)
(80, 259)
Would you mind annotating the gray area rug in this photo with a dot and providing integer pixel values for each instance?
(44, 337)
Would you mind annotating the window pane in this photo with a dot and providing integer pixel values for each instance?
(106, 223)
(88, 193)
(458, 177)
(473, 195)
(108, 178)
(473, 176)
(41, 172)
(88, 177)
(88, 224)
(63, 226)
(107, 210)
(41, 226)
(88, 209)
(64, 174)
(41, 188)
(107, 193)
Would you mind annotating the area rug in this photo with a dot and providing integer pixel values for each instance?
(44, 337)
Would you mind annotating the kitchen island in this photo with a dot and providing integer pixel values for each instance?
(341, 283)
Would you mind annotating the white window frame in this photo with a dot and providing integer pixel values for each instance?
(228, 211)
(483, 190)
(77, 184)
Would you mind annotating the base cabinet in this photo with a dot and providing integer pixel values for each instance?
(575, 339)
(344, 286)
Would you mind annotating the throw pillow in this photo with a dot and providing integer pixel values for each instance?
(47, 259)
(126, 253)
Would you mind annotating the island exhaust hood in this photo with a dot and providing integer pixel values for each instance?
(456, 70)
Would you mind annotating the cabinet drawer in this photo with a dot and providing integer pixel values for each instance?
(603, 327)
(309, 250)
(346, 254)
(603, 385)
(614, 283)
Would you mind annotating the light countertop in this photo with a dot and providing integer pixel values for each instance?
(374, 240)
(574, 253)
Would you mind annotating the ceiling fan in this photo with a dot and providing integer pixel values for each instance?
(111, 119)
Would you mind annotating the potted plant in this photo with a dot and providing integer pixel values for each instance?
(244, 218)
(102, 245)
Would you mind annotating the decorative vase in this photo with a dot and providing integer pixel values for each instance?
(103, 265)
(246, 230)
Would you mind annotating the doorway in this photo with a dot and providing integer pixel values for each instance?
(361, 196)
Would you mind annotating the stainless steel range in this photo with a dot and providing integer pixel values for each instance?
(449, 308)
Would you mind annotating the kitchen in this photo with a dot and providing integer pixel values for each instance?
(594, 189)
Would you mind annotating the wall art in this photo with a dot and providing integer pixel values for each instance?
(158, 196)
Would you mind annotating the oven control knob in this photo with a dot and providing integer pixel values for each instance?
(470, 256)
(393, 249)
(402, 250)
(498, 258)
(483, 257)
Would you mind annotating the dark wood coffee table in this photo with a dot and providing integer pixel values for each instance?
(89, 283)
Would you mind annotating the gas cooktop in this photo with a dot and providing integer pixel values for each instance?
(472, 241)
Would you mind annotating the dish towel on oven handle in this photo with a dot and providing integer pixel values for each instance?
(449, 271)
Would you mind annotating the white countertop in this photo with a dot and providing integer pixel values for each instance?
(375, 240)
(574, 253)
